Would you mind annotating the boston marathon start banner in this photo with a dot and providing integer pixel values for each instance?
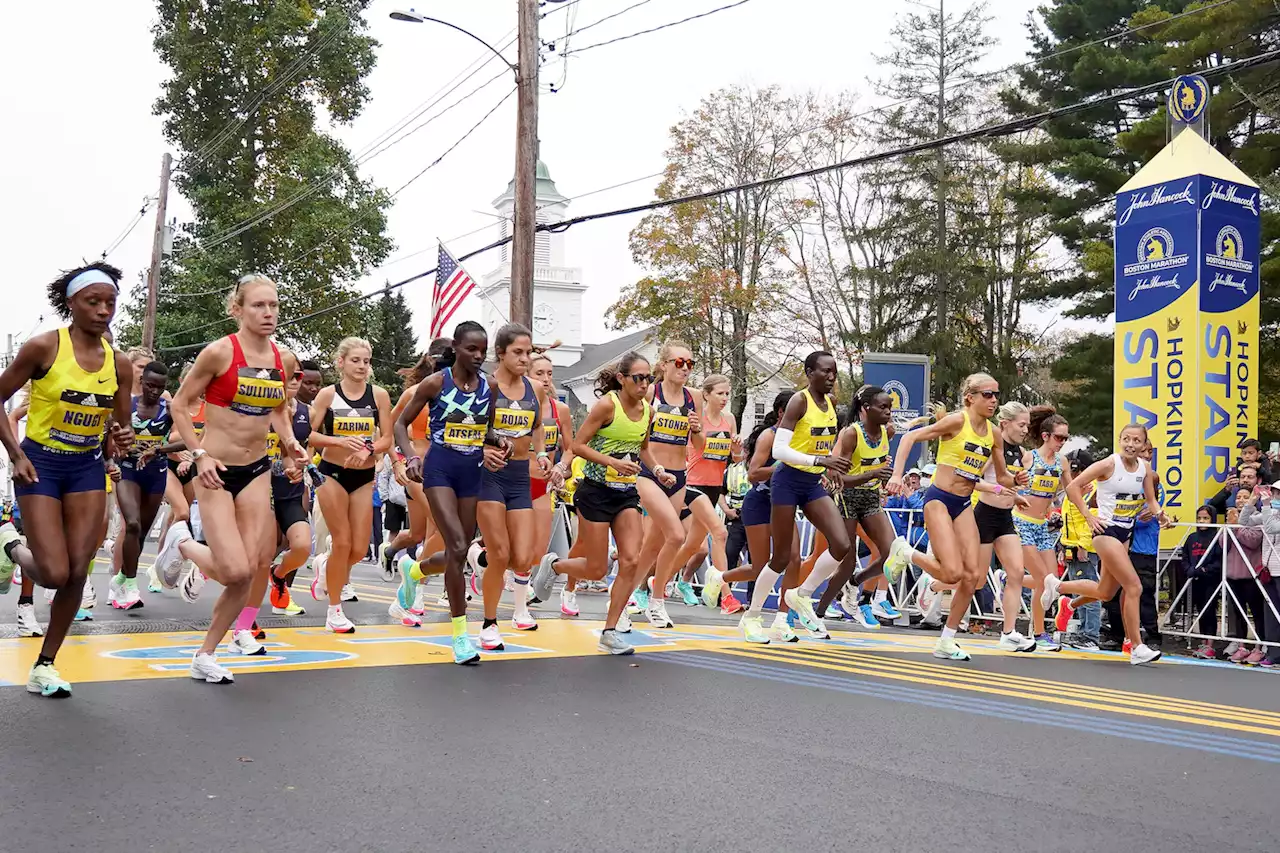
(905, 376)
(1186, 346)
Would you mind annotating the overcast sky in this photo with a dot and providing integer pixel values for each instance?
(82, 149)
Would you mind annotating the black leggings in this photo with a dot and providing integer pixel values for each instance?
(736, 544)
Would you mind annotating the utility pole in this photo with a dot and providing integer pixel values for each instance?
(523, 233)
(157, 251)
(940, 241)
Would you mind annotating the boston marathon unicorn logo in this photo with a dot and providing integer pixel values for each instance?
(1188, 99)
(1231, 268)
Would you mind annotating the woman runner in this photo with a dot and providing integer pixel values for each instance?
(1046, 478)
(143, 479)
(28, 624)
(352, 429)
(614, 442)
(1126, 484)
(459, 399)
(676, 424)
(241, 378)
(77, 382)
(558, 441)
(966, 442)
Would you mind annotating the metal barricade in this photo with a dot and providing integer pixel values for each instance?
(1186, 610)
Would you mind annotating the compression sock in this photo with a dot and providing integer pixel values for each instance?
(764, 585)
(824, 567)
(244, 622)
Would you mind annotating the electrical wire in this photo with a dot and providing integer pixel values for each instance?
(124, 235)
(657, 28)
(1007, 128)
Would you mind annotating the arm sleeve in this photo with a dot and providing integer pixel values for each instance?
(784, 452)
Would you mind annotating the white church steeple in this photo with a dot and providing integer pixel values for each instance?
(557, 288)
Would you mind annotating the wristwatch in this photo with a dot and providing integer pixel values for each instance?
(198, 454)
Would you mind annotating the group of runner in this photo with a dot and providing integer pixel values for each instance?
(261, 467)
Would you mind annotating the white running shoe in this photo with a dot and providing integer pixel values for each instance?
(243, 643)
(612, 642)
(406, 618)
(711, 587)
(28, 625)
(419, 599)
(337, 622)
(206, 668)
(115, 592)
(657, 613)
(169, 563)
(1015, 642)
(568, 602)
(478, 560)
(132, 599)
(624, 624)
(898, 560)
(153, 580)
(1050, 594)
(948, 649)
(89, 597)
(190, 582)
(319, 591)
(524, 621)
(491, 639)
(780, 630)
(348, 593)
(443, 600)
(1144, 654)
(753, 629)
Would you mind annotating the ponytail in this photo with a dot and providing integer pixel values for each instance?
(770, 420)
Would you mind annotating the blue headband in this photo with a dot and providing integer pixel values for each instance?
(88, 278)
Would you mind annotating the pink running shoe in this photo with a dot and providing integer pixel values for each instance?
(1205, 652)
(524, 622)
(1241, 655)
(1256, 658)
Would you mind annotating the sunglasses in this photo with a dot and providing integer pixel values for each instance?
(680, 363)
(640, 378)
(297, 374)
(1057, 437)
(990, 395)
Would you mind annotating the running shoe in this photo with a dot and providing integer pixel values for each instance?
(464, 652)
(612, 642)
(83, 615)
(48, 595)
(641, 597)
(632, 609)
(153, 580)
(407, 591)
(205, 667)
(443, 599)
(1045, 643)
(419, 605)
(839, 612)
(687, 594)
(336, 621)
(1256, 658)
(624, 624)
(491, 639)
(898, 560)
(568, 602)
(1015, 642)
(89, 598)
(730, 605)
(948, 649)
(657, 614)
(474, 583)
(405, 617)
(8, 569)
(292, 608)
(1239, 655)
(1051, 584)
(385, 557)
(792, 622)
(258, 633)
(277, 592)
(1231, 649)
(169, 563)
(781, 631)
(190, 582)
(348, 593)
(544, 577)
(884, 610)
(1001, 577)
(804, 610)
(28, 625)
(864, 617)
(132, 599)
(1205, 651)
(319, 591)
(115, 591)
(524, 621)
(1065, 612)
(44, 679)
(753, 629)
(1144, 654)
(243, 643)
(930, 601)
(1081, 643)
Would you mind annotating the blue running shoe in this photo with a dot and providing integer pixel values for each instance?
(884, 610)
(83, 615)
(408, 586)
(464, 652)
(642, 598)
(837, 611)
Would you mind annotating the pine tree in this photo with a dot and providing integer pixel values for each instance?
(389, 327)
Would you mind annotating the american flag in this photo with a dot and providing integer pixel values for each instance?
(452, 286)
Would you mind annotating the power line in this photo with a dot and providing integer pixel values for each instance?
(993, 131)
(657, 28)
(115, 244)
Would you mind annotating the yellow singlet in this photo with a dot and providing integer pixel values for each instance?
(815, 432)
(69, 406)
(967, 452)
(870, 456)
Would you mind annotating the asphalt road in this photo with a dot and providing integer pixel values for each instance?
(715, 746)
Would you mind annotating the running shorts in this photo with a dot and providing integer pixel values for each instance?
(955, 504)
(62, 473)
(602, 504)
(859, 504)
(1035, 533)
(510, 485)
(446, 468)
(668, 491)
(793, 487)
(993, 523)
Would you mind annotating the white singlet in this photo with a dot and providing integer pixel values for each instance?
(1122, 495)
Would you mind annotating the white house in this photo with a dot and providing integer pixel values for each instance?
(557, 311)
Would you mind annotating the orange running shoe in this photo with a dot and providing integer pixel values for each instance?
(1065, 610)
(258, 633)
(729, 605)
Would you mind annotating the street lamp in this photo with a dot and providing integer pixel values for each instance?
(526, 72)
